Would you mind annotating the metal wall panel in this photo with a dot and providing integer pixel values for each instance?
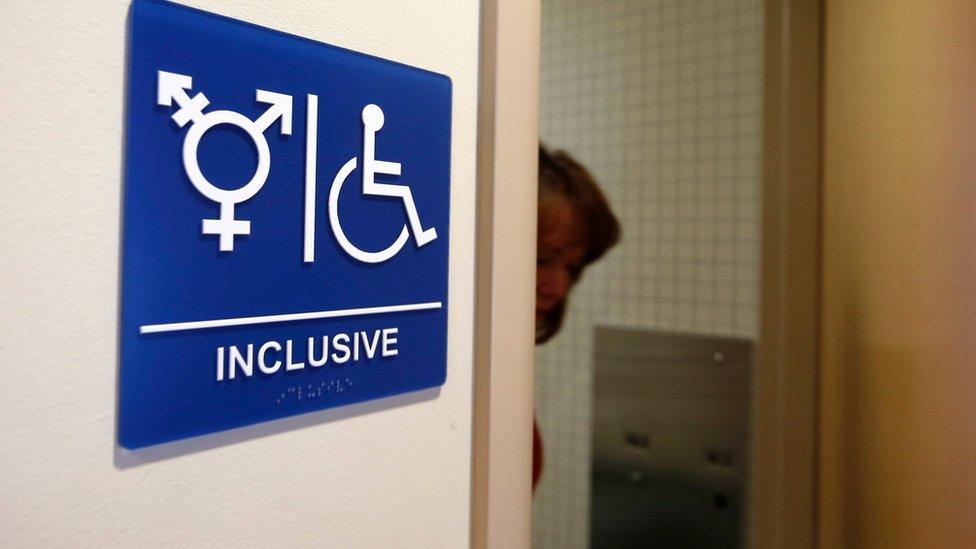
(670, 439)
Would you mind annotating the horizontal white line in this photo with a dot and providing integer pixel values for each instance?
(269, 319)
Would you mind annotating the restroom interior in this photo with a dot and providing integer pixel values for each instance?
(662, 101)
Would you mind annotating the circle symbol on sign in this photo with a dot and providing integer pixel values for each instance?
(227, 225)
(192, 165)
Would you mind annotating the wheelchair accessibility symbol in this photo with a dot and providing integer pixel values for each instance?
(373, 121)
(172, 88)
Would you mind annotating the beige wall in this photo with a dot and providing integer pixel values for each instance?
(898, 385)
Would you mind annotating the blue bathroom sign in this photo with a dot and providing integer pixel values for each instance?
(285, 226)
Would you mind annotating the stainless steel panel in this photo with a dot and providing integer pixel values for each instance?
(670, 439)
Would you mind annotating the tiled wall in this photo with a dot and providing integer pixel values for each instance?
(661, 99)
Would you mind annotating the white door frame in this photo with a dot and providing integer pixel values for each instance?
(508, 144)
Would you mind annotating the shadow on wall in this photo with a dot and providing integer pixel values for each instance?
(125, 459)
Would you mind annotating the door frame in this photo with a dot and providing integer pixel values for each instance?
(786, 419)
(508, 143)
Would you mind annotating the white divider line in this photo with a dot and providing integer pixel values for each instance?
(270, 319)
(311, 153)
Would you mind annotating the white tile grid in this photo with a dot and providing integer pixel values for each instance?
(661, 100)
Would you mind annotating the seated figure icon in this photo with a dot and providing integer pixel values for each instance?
(373, 120)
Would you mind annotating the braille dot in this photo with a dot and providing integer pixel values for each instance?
(720, 501)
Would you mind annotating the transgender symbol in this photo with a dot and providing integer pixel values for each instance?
(172, 87)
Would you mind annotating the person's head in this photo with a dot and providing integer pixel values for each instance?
(576, 227)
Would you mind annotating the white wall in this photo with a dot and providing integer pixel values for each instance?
(365, 476)
(662, 101)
